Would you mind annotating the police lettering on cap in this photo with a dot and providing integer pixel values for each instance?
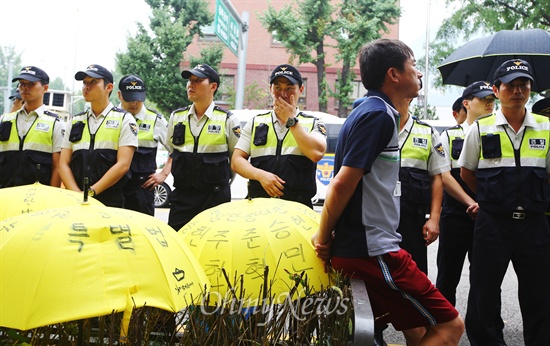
(512, 69)
(94, 71)
(202, 71)
(32, 74)
(132, 88)
(478, 89)
(542, 107)
(287, 71)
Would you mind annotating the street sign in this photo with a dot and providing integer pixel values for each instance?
(226, 26)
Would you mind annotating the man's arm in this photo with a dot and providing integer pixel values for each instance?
(339, 193)
(312, 146)
(469, 178)
(117, 171)
(430, 231)
(65, 171)
(56, 178)
(271, 183)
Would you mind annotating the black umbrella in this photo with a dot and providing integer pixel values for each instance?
(478, 59)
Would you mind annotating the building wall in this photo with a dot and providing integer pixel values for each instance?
(263, 55)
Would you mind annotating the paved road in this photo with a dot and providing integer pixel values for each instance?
(510, 308)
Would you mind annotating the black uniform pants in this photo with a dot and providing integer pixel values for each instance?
(138, 199)
(499, 239)
(456, 233)
(185, 204)
(410, 227)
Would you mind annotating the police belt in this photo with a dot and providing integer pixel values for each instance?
(518, 214)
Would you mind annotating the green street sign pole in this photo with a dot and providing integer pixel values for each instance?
(233, 31)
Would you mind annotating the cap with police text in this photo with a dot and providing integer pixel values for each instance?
(287, 71)
(94, 71)
(512, 69)
(457, 105)
(542, 107)
(132, 88)
(32, 74)
(478, 89)
(15, 95)
(202, 71)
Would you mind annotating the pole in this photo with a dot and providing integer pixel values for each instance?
(426, 67)
(241, 68)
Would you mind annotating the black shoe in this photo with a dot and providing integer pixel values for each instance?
(379, 336)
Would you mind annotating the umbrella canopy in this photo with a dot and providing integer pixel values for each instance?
(478, 59)
(84, 261)
(243, 237)
(34, 197)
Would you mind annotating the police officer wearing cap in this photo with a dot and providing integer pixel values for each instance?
(422, 163)
(201, 139)
(30, 137)
(459, 206)
(505, 162)
(283, 145)
(152, 129)
(99, 143)
(17, 101)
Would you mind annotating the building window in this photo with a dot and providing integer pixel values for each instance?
(358, 90)
(274, 41)
(302, 100)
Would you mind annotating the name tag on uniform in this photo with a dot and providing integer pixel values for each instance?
(144, 127)
(214, 129)
(397, 191)
(43, 127)
(537, 143)
(112, 124)
(420, 142)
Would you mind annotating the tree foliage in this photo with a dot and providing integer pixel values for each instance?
(7, 54)
(155, 53)
(305, 29)
(474, 17)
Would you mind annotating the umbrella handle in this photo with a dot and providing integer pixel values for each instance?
(85, 187)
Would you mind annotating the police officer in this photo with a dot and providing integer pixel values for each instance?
(100, 142)
(456, 225)
(17, 101)
(283, 145)
(30, 137)
(201, 139)
(422, 162)
(152, 128)
(505, 161)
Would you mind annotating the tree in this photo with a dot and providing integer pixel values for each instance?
(486, 17)
(7, 55)
(304, 32)
(156, 54)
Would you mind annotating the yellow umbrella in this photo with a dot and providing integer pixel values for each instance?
(243, 237)
(34, 197)
(84, 261)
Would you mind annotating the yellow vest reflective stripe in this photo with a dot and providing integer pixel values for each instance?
(212, 137)
(289, 145)
(533, 149)
(415, 152)
(146, 130)
(38, 138)
(106, 136)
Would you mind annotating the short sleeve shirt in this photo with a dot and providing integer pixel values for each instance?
(25, 121)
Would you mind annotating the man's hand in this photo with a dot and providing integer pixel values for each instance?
(272, 184)
(430, 231)
(324, 251)
(472, 211)
(154, 180)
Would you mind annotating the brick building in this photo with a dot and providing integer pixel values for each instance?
(264, 53)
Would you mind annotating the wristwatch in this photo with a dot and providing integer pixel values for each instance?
(91, 192)
(291, 122)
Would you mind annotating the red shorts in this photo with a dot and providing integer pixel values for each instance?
(399, 292)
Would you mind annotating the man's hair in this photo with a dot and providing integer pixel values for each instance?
(377, 57)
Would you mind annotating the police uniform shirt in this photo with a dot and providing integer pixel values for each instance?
(160, 130)
(245, 142)
(25, 121)
(437, 161)
(469, 158)
(127, 137)
(232, 127)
